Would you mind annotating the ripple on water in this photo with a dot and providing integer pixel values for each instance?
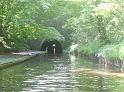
(55, 75)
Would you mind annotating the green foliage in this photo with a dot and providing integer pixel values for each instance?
(22, 20)
(48, 33)
(115, 51)
(109, 51)
(102, 20)
(96, 25)
(90, 47)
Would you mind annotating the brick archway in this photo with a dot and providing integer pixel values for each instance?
(52, 47)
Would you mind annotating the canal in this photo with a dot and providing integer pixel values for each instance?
(59, 74)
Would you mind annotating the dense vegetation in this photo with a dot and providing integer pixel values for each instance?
(23, 20)
(96, 25)
(99, 28)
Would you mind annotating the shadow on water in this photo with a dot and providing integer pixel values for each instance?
(54, 74)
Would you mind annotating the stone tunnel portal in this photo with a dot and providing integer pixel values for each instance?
(52, 47)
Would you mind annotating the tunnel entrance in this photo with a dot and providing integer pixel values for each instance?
(52, 47)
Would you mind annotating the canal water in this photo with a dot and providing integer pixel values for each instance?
(59, 74)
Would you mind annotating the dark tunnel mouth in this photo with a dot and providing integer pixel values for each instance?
(52, 47)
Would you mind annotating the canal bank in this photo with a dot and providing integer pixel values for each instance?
(15, 58)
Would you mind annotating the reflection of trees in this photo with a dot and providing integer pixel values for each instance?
(115, 65)
(91, 82)
(11, 79)
(97, 83)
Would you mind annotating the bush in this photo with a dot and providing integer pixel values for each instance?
(111, 52)
(90, 47)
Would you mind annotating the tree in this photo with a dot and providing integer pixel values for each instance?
(20, 21)
(100, 21)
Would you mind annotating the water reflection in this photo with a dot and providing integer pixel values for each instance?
(115, 65)
(53, 74)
